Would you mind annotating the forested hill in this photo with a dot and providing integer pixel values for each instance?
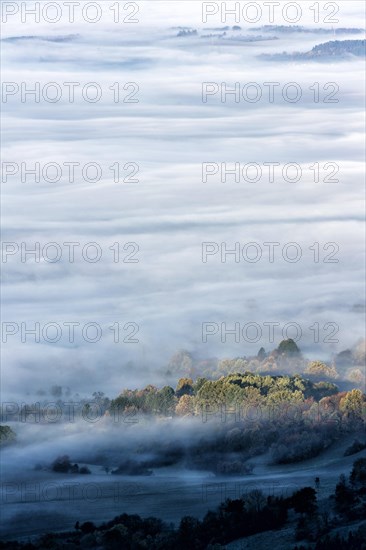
(339, 48)
(335, 49)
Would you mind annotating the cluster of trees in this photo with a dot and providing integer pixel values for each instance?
(298, 444)
(131, 468)
(149, 400)
(189, 397)
(294, 417)
(187, 32)
(347, 365)
(340, 48)
(286, 356)
(246, 390)
(63, 465)
(321, 370)
(252, 514)
(262, 390)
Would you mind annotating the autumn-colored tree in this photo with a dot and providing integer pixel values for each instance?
(353, 405)
(199, 383)
(185, 406)
(284, 396)
(318, 368)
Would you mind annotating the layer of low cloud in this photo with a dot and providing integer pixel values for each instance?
(170, 133)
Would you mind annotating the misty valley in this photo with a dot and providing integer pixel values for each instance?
(183, 307)
(248, 432)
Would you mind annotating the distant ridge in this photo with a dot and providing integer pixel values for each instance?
(290, 29)
(335, 49)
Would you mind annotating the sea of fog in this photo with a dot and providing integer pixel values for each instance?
(106, 324)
